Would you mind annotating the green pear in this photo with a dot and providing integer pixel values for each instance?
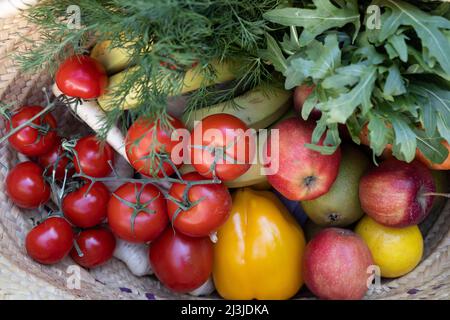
(340, 206)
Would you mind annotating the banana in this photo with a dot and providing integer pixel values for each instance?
(113, 59)
(193, 80)
(252, 177)
(106, 101)
(258, 108)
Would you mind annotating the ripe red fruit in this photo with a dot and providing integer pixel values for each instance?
(96, 246)
(180, 262)
(93, 157)
(137, 213)
(303, 174)
(335, 264)
(55, 157)
(87, 206)
(220, 145)
(81, 77)
(31, 141)
(144, 137)
(205, 217)
(396, 193)
(50, 241)
(26, 185)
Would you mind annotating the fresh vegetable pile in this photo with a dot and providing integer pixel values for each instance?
(179, 178)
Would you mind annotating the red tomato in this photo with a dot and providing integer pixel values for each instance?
(26, 186)
(87, 206)
(81, 77)
(50, 241)
(205, 217)
(93, 157)
(30, 141)
(96, 245)
(54, 160)
(142, 222)
(226, 133)
(139, 144)
(181, 263)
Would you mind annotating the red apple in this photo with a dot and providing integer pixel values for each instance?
(335, 264)
(301, 93)
(303, 174)
(395, 193)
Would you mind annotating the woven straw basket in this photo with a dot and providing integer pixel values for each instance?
(22, 278)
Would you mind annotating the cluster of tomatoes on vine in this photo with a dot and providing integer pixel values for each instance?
(176, 222)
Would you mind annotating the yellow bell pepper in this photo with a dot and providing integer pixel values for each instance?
(259, 250)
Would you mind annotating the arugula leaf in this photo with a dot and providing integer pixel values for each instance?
(331, 141)
(341, 108)
(395, 84)
(274, 54)
(439, 101)
(344, 77)
(321, 60)
(299, 69)
(354, 127)
(325, 16)
(378, 133)
(431, 147)
(405, 144)
(427, 27)
(332, 138)
(366, 51)
(290, 43)
(309, 104)
(329, 59)
(321, 127)
(443, 125)
(429, 117)
(398, 43)
(422, 67)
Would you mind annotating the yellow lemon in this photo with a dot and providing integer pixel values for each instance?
(396, 251)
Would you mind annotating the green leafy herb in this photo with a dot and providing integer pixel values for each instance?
(374, 78)
(157, 33)
(314, 22)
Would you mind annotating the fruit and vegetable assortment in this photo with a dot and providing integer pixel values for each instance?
(357, 136)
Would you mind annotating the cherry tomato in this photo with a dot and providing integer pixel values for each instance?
(87, 206)
(180, 262)
(50, 241)
(81, 77)
(137, 213)
(93, 157)
(31, 141)
(207, 215)
(55, 160)
(26, 185)
(96, 245)
(220, 139)
(140, 143)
